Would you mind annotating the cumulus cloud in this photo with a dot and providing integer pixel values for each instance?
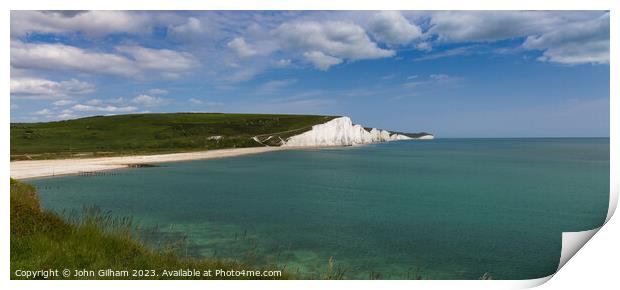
(68, 109)
(65, 116)
(567, 38)
(196, 101)
(64, 57)
(94, 23)
(459, 51)
(187, 32)
(43, 112)
(282, 63)
(103, 108)
(149, 101)
(432, 80)
(159, 59)
(439, 77)
(241, 48)
(135, 61)
(232, 43)
(328, 43)
(488, 25)
(38, 88)
(94, 102)
(157, 91)
(276, 85)
(575, 43)
(320, 60)
(61, 103)
(392, 28)
(50, 114)
(424, 46)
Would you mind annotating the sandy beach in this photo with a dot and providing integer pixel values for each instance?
(43, 168)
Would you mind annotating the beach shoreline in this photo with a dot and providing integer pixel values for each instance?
(27, 169)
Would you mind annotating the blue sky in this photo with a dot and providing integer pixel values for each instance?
(455, 74)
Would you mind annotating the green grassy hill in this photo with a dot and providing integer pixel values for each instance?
(42, 240)
(153, 133)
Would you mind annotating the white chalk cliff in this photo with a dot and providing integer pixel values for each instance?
(341, 132)
(426, 137)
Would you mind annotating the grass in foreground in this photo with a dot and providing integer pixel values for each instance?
(42, 240)
(152, 134)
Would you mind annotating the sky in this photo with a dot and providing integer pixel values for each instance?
(451, 73)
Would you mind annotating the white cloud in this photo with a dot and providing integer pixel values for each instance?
(281, 63)
(459, 51)
(157, 91)
(432, 80)
(93, 106)
(38, 88)
(575, 43)
(187, 32)
(424, 46)
(65, 116)
(47, 114)
(231, 43)
(94, 23)
(149, 101)
(489, 25)
(195, 101)
(328, 43)
(94, 102)
(119, 100)
(43, 112)
(275, 85)
(241, 48)
(567, 38)
(392, 28)
(61, 103)
(104, 108)
(241, 74)
(159, 59)
(64, 57)
(320, 60)
(70, 109)
(439, 77)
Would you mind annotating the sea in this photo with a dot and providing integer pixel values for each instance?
(432, 209)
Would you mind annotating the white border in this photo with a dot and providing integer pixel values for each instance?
(595, 265)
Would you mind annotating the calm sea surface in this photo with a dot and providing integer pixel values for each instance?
(441, 209)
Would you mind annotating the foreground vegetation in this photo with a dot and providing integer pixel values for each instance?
(42, 240)
(153, 133)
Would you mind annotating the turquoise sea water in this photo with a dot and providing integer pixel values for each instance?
(442, 209)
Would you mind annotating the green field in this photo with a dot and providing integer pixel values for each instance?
(42, 240)
(153, 133)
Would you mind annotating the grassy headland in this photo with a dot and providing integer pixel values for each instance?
(42, 240)
(153, 134)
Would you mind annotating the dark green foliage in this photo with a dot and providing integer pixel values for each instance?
(414, 135)
(151, 133)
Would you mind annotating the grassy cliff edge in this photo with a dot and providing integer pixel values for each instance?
(140, 134)
(43, 241)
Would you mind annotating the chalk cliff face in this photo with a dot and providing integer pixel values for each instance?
(426, 137)
(341, 132)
